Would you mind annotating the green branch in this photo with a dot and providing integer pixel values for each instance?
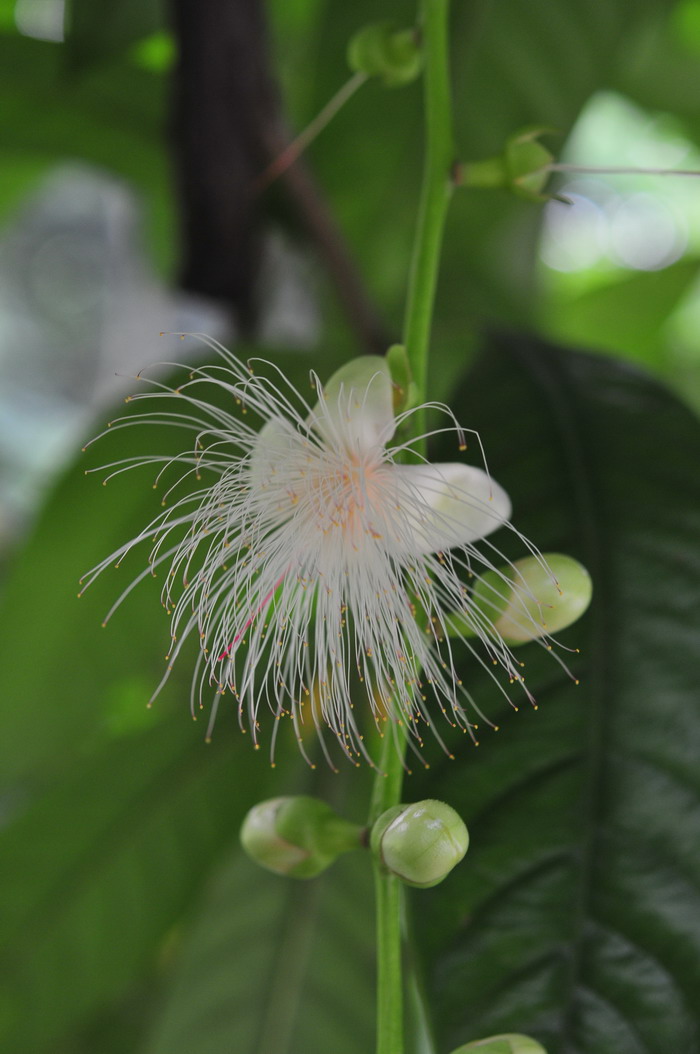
(435, 197)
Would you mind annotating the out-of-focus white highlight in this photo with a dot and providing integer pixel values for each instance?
(625, 221)
(41, 19)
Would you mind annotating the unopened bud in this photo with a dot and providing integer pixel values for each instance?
(381, 50)
(526, 163)
(534, 597)
(512, 1043)
(522, 167)
(297, 836)
(420, 843)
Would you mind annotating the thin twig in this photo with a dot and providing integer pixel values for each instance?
(619, 170)
(297, 147)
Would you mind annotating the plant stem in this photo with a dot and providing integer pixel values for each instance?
(435, 198)
(388, 899)
(435, 195)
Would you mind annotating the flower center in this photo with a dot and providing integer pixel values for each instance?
(340, 498)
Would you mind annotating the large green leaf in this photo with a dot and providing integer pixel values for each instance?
(116, 813)
(65, 681)
(95, 873)
(275, 966)
(576, 915)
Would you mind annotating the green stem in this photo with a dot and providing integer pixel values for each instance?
(389, 779)
(435, 197)
(388, 899)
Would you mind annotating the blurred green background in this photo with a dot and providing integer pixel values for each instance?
(132, 135)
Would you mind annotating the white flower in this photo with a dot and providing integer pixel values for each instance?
(312, 560)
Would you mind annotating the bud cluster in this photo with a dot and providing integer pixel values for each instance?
(301, 836)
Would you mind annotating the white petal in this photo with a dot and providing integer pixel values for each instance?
(274, 464)
(356, 410)
(448, 505)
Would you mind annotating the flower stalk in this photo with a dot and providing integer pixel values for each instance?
(435, 198)
(435, 195)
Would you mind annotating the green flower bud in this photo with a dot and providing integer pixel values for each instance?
(512, 1043)
(534, 597)
(420, 843)
(297, 836)
(381, 50)
(523, 167)
(526, 164)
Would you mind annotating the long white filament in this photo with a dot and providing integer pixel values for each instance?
(302, 560)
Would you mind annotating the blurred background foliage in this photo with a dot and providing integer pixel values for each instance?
(131, 137)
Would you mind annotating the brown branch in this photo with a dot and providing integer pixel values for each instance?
(226, 128)
(320, 223)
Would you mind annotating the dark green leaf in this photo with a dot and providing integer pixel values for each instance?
(575, 915)
(274, 966)
(116, 813)
(95, 873)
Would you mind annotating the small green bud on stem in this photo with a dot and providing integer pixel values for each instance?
(297, 836)
(512, 1043)
(382, 50)
(420, 843)
(534, 597)
(523, 167)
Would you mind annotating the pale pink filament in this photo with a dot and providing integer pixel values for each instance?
(263, 603)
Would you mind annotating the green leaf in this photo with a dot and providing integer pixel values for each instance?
(576, 915)
(95, 873)
(64, 680)
(116, 813)
(626, 316)
(276, 966)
